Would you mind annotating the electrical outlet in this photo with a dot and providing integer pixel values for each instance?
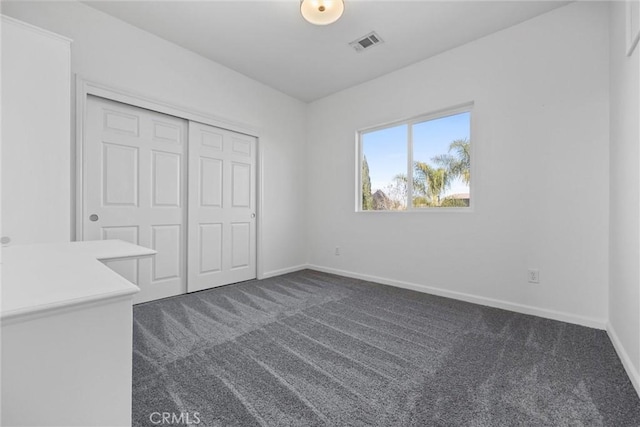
(533, 275)
(337, 252)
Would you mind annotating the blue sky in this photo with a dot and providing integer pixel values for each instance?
(386, 149)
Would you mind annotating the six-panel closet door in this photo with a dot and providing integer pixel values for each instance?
(134, 190)
(182, 188)
(222, 199)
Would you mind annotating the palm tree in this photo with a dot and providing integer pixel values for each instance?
(457, 164)
(429, 184)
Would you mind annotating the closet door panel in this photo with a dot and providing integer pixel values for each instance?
(134, 189)
(222, 202)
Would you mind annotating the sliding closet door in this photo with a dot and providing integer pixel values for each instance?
(134, 189)
(222, 202)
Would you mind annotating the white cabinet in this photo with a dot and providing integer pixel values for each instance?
(36, 143)
(66, 334)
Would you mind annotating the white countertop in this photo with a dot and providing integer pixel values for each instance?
(45, 277)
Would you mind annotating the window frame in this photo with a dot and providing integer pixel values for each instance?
(467, 107)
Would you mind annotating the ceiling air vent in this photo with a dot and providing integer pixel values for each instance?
(366, 42)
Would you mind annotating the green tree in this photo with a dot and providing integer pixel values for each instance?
(367, 198)
(429, 183)
(450, 202)
(458, 163)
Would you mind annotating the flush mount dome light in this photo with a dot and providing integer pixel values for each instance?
(321, 12)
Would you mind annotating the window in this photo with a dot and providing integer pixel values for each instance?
(417, 164)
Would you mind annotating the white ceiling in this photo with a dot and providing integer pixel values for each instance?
(270, 42)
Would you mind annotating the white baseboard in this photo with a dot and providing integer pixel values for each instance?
(282, 271)
(632, 372)
(505, 305)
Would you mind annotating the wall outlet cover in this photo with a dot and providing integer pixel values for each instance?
(533, 275)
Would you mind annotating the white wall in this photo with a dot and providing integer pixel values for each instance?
(624, 278)
(35, 135)
(541, 175)
(114, 53)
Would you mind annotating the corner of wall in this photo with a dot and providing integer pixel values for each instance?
(624, 201)
(631, 370)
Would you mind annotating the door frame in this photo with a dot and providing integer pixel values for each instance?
(85, 88)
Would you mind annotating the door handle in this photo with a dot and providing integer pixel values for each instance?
(93, 217)
(253, 215)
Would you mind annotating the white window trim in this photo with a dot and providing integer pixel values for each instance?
(444, 112)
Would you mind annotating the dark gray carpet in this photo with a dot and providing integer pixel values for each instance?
(309, 349)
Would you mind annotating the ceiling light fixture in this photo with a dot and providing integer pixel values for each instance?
(321, 12)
